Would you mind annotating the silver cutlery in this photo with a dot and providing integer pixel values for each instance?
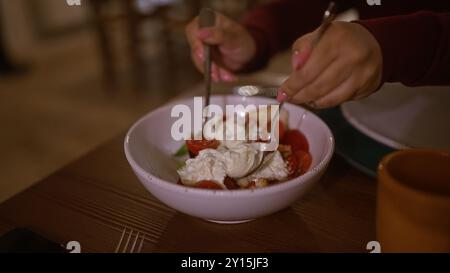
(328, 16)
(271, 91)
(256, 90)
(207, 18)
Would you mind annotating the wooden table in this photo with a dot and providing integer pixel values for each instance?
(94, 198)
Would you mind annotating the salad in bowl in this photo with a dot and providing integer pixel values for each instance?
(229, 181)
(239, 164)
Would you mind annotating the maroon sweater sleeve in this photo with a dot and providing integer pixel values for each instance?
(276, 25)
(415, 47)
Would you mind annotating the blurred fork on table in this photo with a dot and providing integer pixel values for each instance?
(128, 245)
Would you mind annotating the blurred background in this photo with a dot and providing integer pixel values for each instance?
(72, 77)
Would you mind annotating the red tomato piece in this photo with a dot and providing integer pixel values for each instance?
(208, 184)
(230, 183)
(292, 164)
(281, 130)
(304, 161)
(195, 146)
(296, 140)
(284, 149)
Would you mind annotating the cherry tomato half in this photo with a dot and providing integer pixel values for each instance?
(292, 164)
(304, 161)
(208, 184)
(282, 130)
(296, 140)
(230, 183)
(195, 146)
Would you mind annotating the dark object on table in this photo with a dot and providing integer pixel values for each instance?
(26, 241)
(359, 150)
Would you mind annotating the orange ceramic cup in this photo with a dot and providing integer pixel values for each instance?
(413, 202)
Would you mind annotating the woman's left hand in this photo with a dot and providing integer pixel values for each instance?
(346, 64)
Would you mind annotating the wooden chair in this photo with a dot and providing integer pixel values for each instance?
(133, 18)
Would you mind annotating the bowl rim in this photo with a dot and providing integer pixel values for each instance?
(228, 193)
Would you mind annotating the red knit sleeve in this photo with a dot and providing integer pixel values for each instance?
(276, 25)
(415, 47)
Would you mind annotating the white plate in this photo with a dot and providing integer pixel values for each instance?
(402, 117)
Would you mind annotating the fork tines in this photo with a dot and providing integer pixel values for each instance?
(123, 246)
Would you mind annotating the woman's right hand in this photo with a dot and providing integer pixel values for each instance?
(234, 46)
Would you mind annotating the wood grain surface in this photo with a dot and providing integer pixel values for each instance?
(94, 198)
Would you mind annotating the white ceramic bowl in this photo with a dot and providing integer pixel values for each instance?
(149, 148)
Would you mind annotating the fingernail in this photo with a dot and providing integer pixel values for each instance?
(312, 104)
(204, 33)
(227, 77)
(281, 95)
(299, 59)
(214, 77)
(199, 53)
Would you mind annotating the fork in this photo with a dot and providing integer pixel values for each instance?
(122, 246)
